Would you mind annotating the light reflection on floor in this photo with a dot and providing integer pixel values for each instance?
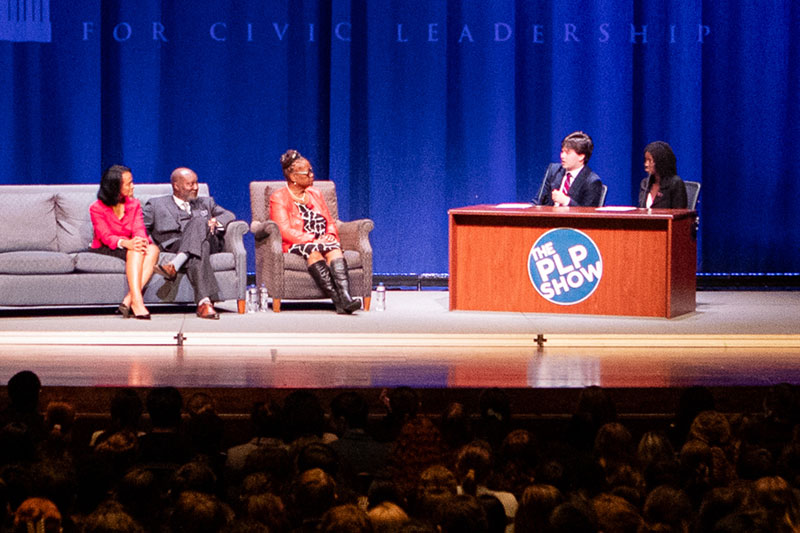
(289, 367)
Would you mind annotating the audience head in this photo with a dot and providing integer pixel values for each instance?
(712, 428)
(456, 426)
(613, 444)
(318, 455)
(194, 476)
(37, 514)
(669, 507)
(653, 447)
(267, 509)
(575, 516)
(313, 493)
(418, 446)
(615, 514)
(385, 490)
(779, 500)
(119, 451)
(110, 517)
(272, 461)
(138, 492)
(126, 409)
(580, 142)
(111, 184)
(197, 512)
(200, 403)
(461, 514)
(435, 484)
(303, 415)
(206, 432)
(345, 519)
(473, 465)
(496, 519)
(535, 507)
(350, 411)
(17, 443)
(387, 517)
(266, 419)
(164, 404)
(720, 502)
(23, 391)
(664, 159)
(402, 403)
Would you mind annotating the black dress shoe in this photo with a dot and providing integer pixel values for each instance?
(124, 310)
(167, 271)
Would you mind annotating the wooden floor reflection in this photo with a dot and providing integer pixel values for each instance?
(341, 367)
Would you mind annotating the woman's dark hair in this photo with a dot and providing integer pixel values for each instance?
(288, 159)
(663, 158)
(110, 184)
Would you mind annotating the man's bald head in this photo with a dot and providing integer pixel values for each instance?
(184, 183)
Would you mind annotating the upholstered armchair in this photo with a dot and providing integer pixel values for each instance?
(286, 275)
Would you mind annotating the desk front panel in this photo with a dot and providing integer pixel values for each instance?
(489, 264)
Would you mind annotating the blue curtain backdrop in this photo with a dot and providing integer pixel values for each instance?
(413, 107)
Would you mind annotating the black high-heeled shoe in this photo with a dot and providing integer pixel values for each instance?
(141, 317)
(124, 310)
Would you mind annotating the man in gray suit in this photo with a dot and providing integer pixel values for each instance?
(193, 228)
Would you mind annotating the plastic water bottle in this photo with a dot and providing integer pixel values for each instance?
(380, 297)
(252, 299)
(263, 299)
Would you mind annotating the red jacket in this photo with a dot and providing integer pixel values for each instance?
(108, 229)
(284, 212)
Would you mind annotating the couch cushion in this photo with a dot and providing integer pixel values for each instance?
(98, 263)
(297, 263)
(33, 262)
(27, 222)
(74, 225)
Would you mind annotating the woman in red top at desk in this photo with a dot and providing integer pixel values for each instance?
(662, 188)
(119, 231)
(307, 229)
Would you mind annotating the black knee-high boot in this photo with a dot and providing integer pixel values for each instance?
(322, 276)
(342, 280)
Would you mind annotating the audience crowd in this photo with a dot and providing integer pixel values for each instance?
(314, 468)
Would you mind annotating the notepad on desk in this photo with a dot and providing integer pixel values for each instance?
(513, 206)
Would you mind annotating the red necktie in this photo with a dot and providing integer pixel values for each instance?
(567, 182)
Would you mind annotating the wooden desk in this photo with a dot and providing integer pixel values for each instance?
(649, 259)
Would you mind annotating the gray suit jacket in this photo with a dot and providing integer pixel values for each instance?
(165, 221)
(585, 190)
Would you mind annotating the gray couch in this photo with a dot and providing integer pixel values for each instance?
(45, 231)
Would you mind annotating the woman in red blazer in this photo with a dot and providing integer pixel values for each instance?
(307, 229)
(119, 231)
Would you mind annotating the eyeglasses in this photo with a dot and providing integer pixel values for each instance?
(306, 173)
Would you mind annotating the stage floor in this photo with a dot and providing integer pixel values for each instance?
(740, 338)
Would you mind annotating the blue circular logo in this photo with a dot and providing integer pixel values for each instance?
(565, 266)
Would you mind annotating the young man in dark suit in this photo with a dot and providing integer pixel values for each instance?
(572, 183)
(193, 228)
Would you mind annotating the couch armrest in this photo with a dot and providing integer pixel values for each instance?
(234, 237)
(269, 256)
(234, 243)
(355, 235)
